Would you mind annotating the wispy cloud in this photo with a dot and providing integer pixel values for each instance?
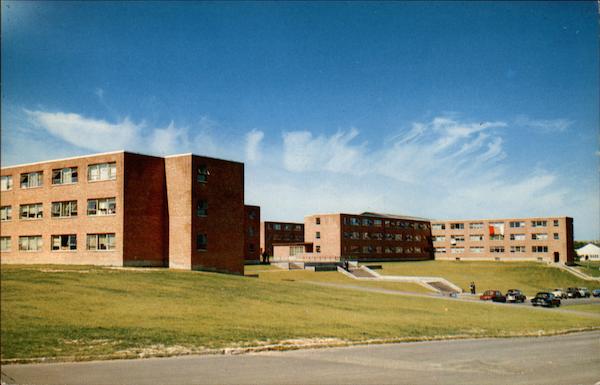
(544, 125)
(253, 142)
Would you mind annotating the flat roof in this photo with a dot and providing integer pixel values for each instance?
(376, 215)
(496, 219)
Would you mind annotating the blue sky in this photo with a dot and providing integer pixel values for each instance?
(443, 110)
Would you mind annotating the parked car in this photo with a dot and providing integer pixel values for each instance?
(492, 295)
(596, 292)
(573, 292)
(560, 293)
(515, 295)
(584, 292)
(545, 299)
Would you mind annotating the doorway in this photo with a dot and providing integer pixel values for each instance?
(556, 257)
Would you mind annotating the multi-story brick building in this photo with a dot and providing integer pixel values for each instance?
(369, 237)
(251, 234)
(517, 239)
(125, 209)
(279, 232)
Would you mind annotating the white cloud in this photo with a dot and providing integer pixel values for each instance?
(253, 148)
(544, 125)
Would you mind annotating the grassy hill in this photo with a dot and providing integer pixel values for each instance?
(77, 313)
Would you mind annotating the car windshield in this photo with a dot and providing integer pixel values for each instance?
(542, 295)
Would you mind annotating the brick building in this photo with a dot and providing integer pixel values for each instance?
(547, 239)
(279, 232)
(125, 209)
(366, 237)
(252, 234)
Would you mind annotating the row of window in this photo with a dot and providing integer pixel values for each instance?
(285, 227)
(67, 175)
(496, 237)
(64, 209)
(62, 242)
(287, 238)
(352, 221)
(479, 225)
(369, 249)
(493, 249)
(355, 235)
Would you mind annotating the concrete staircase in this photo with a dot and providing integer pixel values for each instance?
(575, 271)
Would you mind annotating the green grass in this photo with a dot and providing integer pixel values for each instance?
(590, 308)
(530, 277)
(70, 313)
(590, 268)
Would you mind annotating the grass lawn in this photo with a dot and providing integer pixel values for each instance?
(530, 277)
(591, 308)
(68, 312)
(590, 268)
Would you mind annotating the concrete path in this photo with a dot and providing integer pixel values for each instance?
(565, 360)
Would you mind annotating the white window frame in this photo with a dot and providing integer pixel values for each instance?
(102, 171)
(33, 243)
(6, 183)
(38, 212)
(34, 179)
(64, 207)
(95, 242)
(106, 203)
(5, 244)
(63, 173)
(5, 213)
(71, 242)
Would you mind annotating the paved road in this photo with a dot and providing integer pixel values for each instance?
(569, 360)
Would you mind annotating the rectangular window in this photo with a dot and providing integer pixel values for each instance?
(556, 223)
(438, 226)
(6, 182)
(102, 206)
(298, 228)
(318, 249)
(201, 242)
(287, 227)
(539, 236)
(6, 213)
(203, 174)
(476, 226)
(64, 209)
(476, 249)
(277, 226)
(539, 249)
(32, 179)
(377, 223)
(251, 247)
(30, 243)
(476, 237)
(457, 226)
(102, 171)
(5, 244)
(496, 237)
(318, 235)
(517, 249)
(64, 175)
(31, 211)
(64, 242)
(517, 237)
(517, 224)
(497, 249)
(457, 238)
(318, 220)
(440, 250)
(439, 238)
(457, 250)
(539, 223)
(250, 231)
(556, 236)
(202, 208)
(101, 242)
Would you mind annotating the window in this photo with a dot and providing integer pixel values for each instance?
(408, 237)
(101, 242)
(517, 237)
(64, 209)
(497, 249)
(440, 250)
(457, 250)
(6, 213)
(251, 248)
(30, 243)
(457, 238)
(367, 222)
(318, 235)
(556, 236)
(31, 211)
(539, 236)
(368, 249)
(318, 220)
(103, 206)
(318, 249)
(517, 249)
(556, 223)
(287, 227)
(64, 175)
(476, 249)
(102, 171)
(438, 226)
(496, 237)
(6, 182)
(417, 249)
(418, 238)
(202, 208)
(539, 249)
(538, 223)
(377, 223)
(457, 226)
(518, 224)
(32, 179)
(250, 231)
(5, 244)
(476, 237)
(297, 227)
(203, 174)
(64, 242)
(439, 238)
(201, 242)
(252, 215)
(476, 226)
(277, 226)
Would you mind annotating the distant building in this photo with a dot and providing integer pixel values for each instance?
(548, 239)
(251, 234)
(589, 252)
(279, 232)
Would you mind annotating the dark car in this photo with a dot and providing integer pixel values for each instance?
(596, 292)
(493, 295)
(515, 295)
(545, 299)
(573, 292)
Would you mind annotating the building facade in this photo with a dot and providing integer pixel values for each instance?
(547, 239)
(279, 232)
(369, 237)
(125, 209)
(252, 234)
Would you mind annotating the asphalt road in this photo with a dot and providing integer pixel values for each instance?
(570, 360)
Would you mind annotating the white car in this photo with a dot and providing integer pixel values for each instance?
(559, 293)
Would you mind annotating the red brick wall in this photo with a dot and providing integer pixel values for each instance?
(269, 235)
